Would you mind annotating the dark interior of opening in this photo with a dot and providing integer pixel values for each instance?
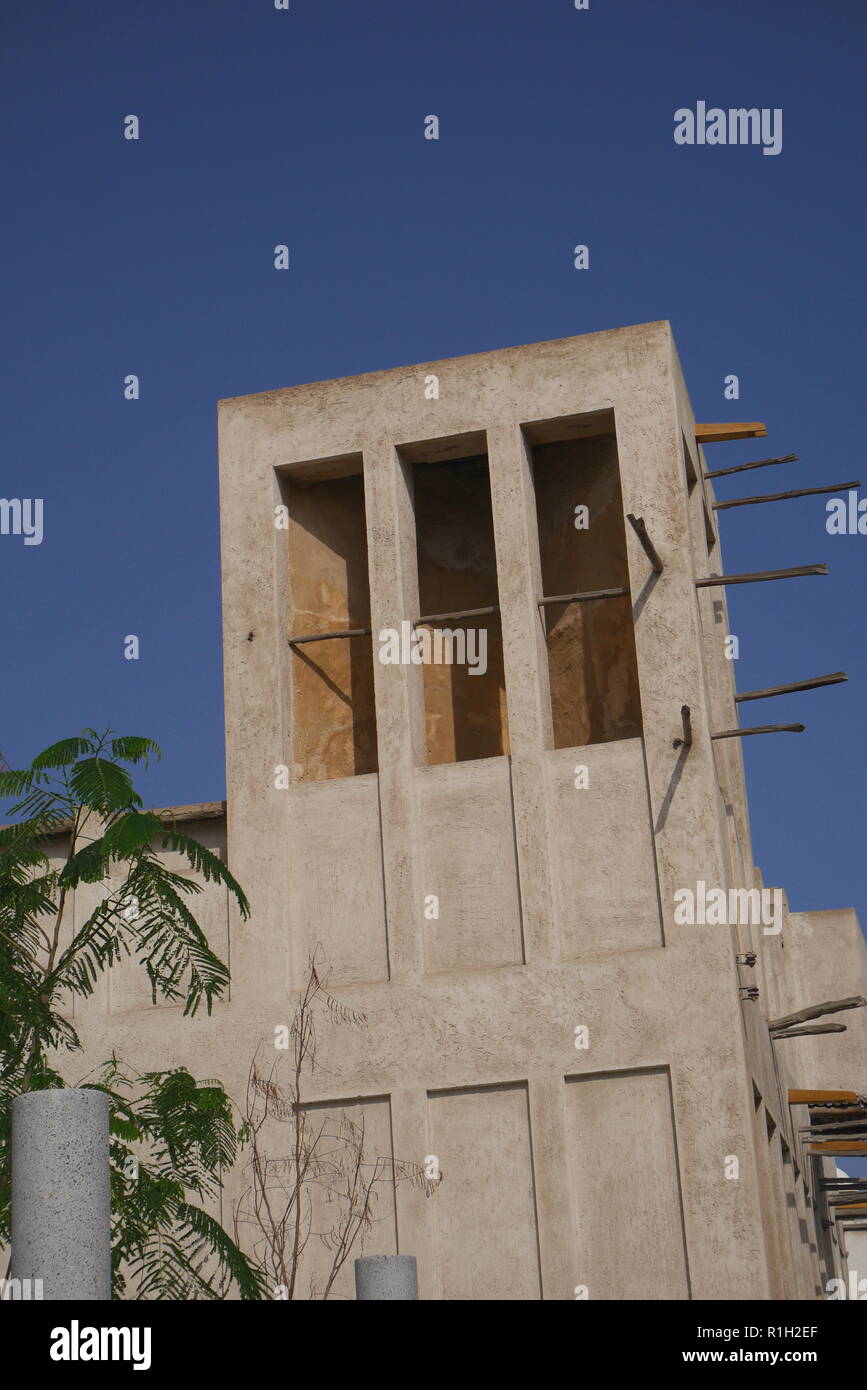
(592, 667)
(333, 712)
(465, 712)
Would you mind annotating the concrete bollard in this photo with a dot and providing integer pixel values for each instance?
(386, 1277)
(61, 1193)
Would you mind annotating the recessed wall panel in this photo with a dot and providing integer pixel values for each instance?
(484, 1209)
(601, 849)
(624, 1178)
(347, 1195)
(336, 897)
(469, 865)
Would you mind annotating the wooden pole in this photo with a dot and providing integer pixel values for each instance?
(830, 1006)
(650, 551)
(762, 729)
(713, 580)
(686, 717)
(782, 496)
(838, 1124)
(813, 1028)
(744, 467)
(327, 636)
(838, 1146)
(453, 617)
(586, 596)
(813, 684)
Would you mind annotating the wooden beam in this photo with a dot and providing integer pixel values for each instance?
(453, 617)
(813, 684)
(813, 1028)
(328, 636)
(585, 596)
(838, 1146)
(761, 729)
(718, 433)
(823, 1097)
(714, 579)
(834, 1126)
(781, 496)
(686, 720)
(744, 467)
(830, 1006)
(650, 551)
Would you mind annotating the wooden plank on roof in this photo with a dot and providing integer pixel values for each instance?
(823, 1098)
(718, 433)
(839, 1146)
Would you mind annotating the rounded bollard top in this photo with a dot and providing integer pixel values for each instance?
(62, 1100)
(387, 1260)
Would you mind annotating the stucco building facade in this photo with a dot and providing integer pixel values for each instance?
(487, 863)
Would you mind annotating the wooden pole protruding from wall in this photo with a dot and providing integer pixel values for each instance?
(835, 678)
(782, 496)
(638, 526)
(745, 467)
(686, 718)
(761, 729)
(759, 576)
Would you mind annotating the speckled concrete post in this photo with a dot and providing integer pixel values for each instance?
(61, 1193)
(390, 1277)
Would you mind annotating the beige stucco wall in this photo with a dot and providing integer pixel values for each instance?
(602, 1168)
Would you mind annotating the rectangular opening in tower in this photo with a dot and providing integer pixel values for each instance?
(464, 685)
(333, 724)
(592, 669)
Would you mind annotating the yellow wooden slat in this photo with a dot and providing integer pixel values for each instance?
(718, 433)
(822, 1097)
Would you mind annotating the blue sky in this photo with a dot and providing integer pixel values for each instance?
(305, 127)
